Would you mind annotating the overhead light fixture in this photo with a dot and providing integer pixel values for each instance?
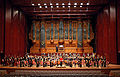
(63, 4)
(57, 4)
(51, 6)
(75, 3)
(38, 4)
(33, 4)
(87, 3)
(45, 4)
(81, 4)
(87, 9)
(69, 3)
(69, 6)
(74, 6)
(16, 11)
(50, 3)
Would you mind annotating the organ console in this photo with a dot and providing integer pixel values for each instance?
(74, 35)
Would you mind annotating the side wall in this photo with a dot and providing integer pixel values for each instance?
(14, 30)
(108, 31)
(118, 30)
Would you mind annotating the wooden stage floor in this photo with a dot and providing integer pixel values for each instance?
(109, 67)
(106, 70)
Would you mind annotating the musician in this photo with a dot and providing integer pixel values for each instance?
(104, 61)
(80, 62)
(51, 65)
(75, 62)
(97, 60)
(37, 62)
(61, 60)
(13, 61)
(56, 48)
(21, 62)
(30, 62)
(3, 61)
(71, 64)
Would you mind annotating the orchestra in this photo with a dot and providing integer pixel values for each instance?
(66, 60)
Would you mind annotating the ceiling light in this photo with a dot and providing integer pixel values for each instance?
(81, 3)
(74, 6)
(45, 4)
(57, 4)
(33, 4)
(69, 6)
(38, 4)
(75, 3)
(69, 3)
(87, 3)
(80, 6)
(87, 9)
(63, 4)
(50, 3)
(51, 6)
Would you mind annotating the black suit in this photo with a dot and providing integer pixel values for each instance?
(56, 49)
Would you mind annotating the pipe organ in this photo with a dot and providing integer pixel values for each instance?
(71, 36)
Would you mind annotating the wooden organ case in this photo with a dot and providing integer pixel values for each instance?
(73, 35)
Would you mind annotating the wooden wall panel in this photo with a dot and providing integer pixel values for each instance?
(1, 25)
(118, 30)
(99, 35)
(2, 10)
(106, 32)
(7, 28)
(113, 51)
(15, 31)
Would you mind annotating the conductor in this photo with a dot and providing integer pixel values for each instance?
(56, 48)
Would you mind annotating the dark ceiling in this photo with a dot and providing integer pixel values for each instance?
(40, 9)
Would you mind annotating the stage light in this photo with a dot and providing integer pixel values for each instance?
(69, 6)
(74, 6)
(50, 3)
(81, 4)
(63, 4)
(45, 4)
(87, 3)
(57, 4)
(51, 6)
(16, 12)
(75, 3)
(69, 3)
(38, 4)
(33, 4)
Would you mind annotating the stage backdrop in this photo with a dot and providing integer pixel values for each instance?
(71, 36)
